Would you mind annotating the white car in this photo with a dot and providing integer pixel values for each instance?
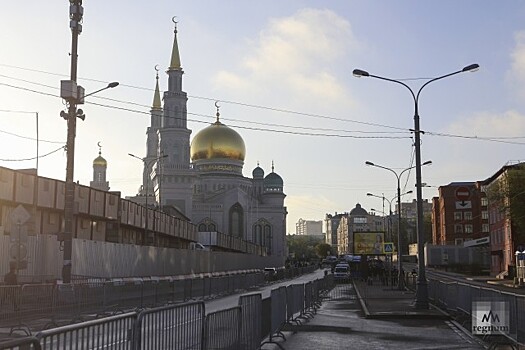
(342, 273)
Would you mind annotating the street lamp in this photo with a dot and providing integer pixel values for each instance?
(399, 236)
(147, 162)
(390, 225)
(73, 95)
(422, 287)
(389, 207)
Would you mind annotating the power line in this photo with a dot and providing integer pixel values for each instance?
(33, 158)
(489, 139)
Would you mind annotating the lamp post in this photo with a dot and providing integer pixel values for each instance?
(390, 225)
(73, 95)
(147, 162)
(389, 208)
(422, 287)
(399, 235)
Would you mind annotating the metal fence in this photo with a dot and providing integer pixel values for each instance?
(185, 326)
(457, 298)
(33, 307)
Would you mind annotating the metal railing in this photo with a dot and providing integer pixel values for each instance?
(185, 326)
(33, 307)
(457, 298)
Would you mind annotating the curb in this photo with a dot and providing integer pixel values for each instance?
(361, 301)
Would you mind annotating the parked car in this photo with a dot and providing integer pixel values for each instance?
(270, 271)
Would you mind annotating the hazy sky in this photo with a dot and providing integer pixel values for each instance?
(283, 73)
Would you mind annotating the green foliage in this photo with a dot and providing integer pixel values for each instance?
(302, 246)
(323, 249)
(509, 194)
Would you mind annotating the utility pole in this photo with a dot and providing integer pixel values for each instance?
(72, 94)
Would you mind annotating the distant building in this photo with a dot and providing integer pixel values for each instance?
(409, 215)
(504, 237)
(459, 214)
(357, 220)
(309, 227)
(331, 226)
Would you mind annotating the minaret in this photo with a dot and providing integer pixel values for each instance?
(173, 182)
(99, 172)
(152, 141)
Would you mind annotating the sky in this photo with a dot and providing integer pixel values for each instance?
(282, 72)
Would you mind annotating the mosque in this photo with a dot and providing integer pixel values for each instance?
(203, 180)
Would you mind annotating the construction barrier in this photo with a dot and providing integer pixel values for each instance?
(114, 332)
(223, 329)
(251, 309)
(171, 327)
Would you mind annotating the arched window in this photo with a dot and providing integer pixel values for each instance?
(207, 225)
(236, 220)
(257, 234)
(268, 237)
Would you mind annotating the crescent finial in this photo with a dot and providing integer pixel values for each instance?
(217, 106)
(174, 21)
(99, 148)
(157, 67)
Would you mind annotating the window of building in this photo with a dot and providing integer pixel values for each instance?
(485, 215)
(458, 228)
(484, 201)
(359, 220)
(236, 220)
(485, 228)
(469, 229)
(468, 215)
(458, 215)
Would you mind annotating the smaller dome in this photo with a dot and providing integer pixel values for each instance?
(100, 161)
(273, 182)
(258, 172)
(358, 211)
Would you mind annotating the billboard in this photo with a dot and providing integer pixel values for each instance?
(370, 243)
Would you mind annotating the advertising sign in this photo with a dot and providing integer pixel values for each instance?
(369, 243)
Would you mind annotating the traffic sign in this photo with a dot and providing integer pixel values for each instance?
(462, 193)
(19, 215)
(388, 247)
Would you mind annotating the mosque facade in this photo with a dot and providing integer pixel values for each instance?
(202, 177)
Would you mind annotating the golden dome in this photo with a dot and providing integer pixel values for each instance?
(217, 141)
(100, 161)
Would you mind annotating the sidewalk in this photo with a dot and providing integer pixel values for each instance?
(379, 301)
(374, 317)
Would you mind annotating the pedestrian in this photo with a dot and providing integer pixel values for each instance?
(10, 278)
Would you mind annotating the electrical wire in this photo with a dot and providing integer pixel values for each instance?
(33, 158)
(489, 139)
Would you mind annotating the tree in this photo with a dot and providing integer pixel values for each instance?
(508, 192)
(323, 249)
(302, 247)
